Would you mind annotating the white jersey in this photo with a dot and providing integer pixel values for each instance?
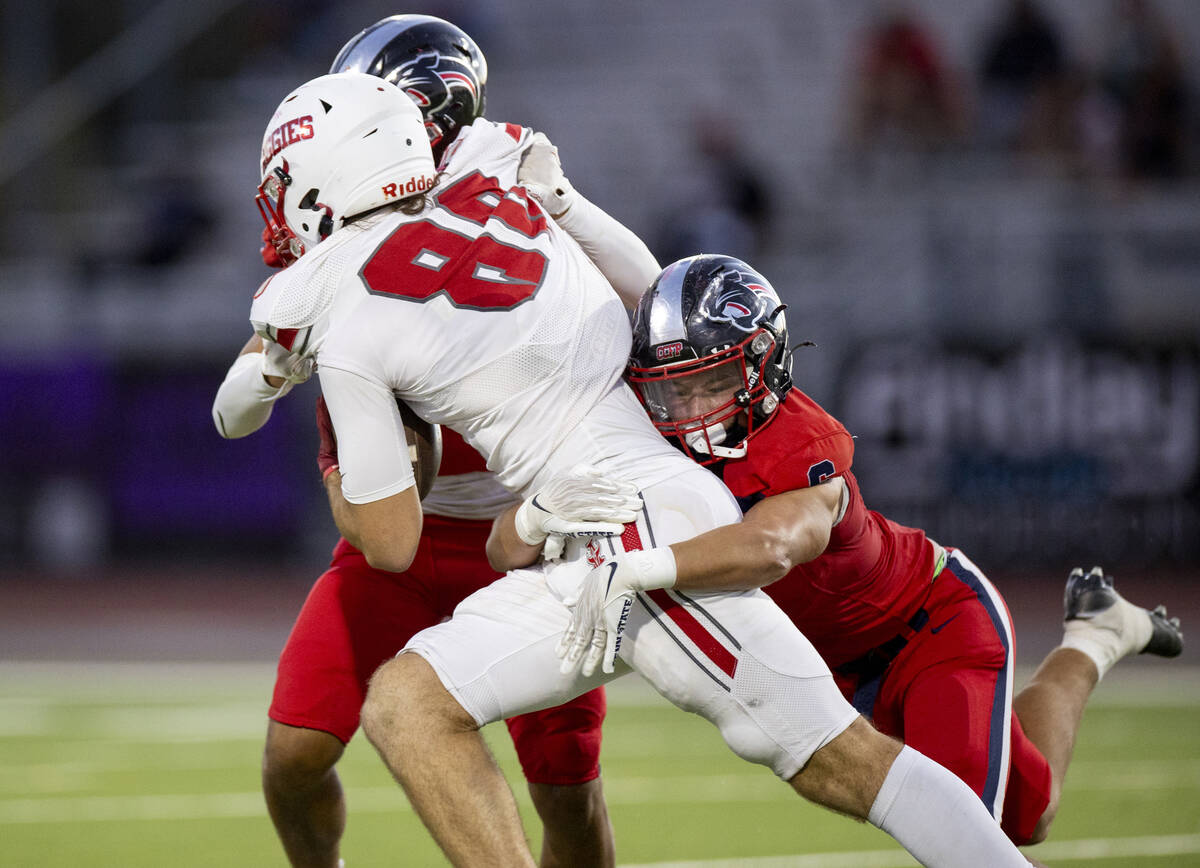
(483, 316)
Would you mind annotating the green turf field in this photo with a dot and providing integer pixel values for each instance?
(144, 767)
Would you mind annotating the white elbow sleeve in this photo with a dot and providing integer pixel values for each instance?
(244, 401)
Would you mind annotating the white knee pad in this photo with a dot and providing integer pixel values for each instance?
(780, 720)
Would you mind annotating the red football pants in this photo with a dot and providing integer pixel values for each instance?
(948, 694)
(356, 617)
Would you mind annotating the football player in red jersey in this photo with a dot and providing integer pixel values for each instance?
(919, 640)
(355, 616)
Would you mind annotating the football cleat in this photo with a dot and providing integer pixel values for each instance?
(1167, 640)
(1092, 598)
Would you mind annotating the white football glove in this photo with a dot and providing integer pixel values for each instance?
(580, 502)
(541, 174)
(600, 610)
(280, 362)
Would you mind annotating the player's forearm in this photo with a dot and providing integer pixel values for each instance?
(748, 555)
(623, 258)
(736, 557)
(343, 518)
(505, 549)
(777, 534)
(386, 531)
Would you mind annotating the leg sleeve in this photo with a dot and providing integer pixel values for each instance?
(931, 813)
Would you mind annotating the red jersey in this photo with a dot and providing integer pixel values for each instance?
(873, 575)
(458, 457)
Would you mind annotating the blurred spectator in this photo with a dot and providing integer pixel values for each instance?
(1023, 81)
(904, 95)
(1077, 122)
(1143, 74)
(730, 210)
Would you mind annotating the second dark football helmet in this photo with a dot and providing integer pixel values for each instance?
(710, 360)
(438, 65)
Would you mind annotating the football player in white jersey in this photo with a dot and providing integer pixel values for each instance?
(460, 296)
(356, 616)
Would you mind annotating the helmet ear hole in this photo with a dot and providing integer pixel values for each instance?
(310, 199)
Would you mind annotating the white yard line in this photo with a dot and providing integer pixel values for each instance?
(109, 809)
(1084, 848)
(753, 786)
(390, 800)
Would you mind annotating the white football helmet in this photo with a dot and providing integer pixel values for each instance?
(337, 146)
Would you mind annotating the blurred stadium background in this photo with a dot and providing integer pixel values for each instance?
(988, 219)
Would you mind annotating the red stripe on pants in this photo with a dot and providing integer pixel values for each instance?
(694, 630)
(631, 540)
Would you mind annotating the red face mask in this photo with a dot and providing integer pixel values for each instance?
(705, 406)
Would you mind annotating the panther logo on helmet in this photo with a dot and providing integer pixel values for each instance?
(740, 308)
(430, 77)
(436, 64)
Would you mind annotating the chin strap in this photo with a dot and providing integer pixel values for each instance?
(730, 452)
(708, 442)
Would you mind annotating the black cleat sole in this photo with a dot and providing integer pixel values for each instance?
(1088, 594)
(1167, 639)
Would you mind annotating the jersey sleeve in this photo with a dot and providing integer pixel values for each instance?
(811, 463)
(518, 133)
(244, 400)
(373, 453)
(488, 147)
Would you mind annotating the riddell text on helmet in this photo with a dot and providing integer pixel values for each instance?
(414, 185)
(287, 133)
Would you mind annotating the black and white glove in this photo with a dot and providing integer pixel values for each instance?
(540, 172)
(581, 502)
(600, 609)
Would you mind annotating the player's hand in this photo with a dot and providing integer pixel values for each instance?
(327, 456)
(580, 502)
(279, 362)
(270, 256)
(541, 174)
(600, 609)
